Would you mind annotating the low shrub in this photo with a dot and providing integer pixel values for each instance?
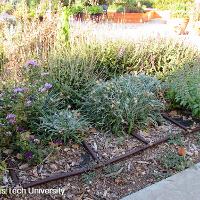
(75, 70)
(92, 10)
(147, 3)
(77, 9)
(120, 9)
(158, 57)
(22, 105)
(30, 98)
(133, 6)
(172, 161)
(184, 90)
(124, 104)
(62, 125)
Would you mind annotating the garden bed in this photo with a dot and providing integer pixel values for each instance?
(75, 111)
(63, 159)
(109, 146)
(131, 175)
(71, 157)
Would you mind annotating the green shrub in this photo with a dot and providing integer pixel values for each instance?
(133, 6)
(30, 149)
(73, 71)
(29, 99)
(184, 88)
(77, 9)
(120, 9)
(64, 33)
(124, 104)
(158, 57)
(92, 10)
(22, 104)
(3, 167)
(133, 9)
(147, 3)
(172, 161)
(62, 125)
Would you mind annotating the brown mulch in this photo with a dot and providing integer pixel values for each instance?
(117, 180)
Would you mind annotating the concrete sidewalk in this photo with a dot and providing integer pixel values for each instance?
(182, 186)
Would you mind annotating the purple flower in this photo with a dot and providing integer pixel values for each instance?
(18, 90)
(20, 129)
(48, 86)
(31, 63)
(11, 118)
(28, 155)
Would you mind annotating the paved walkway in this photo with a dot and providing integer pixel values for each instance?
(182, 186)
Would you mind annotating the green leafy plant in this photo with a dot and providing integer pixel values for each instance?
(133, 6)
(89, 177)
(181, 9)
(124, 104)
(73, 72)
(176, 140)
(147, 3)
(152, 57)
(172, 161)
(65, 24)
(120, 9)
(77, 10)
(27, 101)
(183, 88)
(21, 106)
(63, 125)
(93, 10)
(30, 149)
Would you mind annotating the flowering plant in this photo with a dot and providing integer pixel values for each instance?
(21, 105)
